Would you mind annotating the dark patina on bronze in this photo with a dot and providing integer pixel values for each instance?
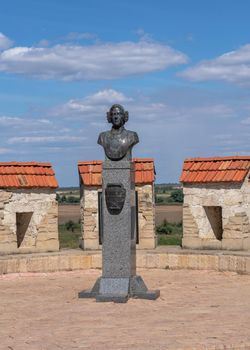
(118, 142)
(115, 195)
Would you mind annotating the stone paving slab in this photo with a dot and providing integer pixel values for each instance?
(196, 310)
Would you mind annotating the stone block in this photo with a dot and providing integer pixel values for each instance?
(52, 222)
(89, 220)
(211, 244)
(163, 261)
(233, 233)
(87, 213)
(233, 199)
(189, 232)
(238, 220)
(51, 245)
(5, 196)
(183, 261)
(201, 262)
(6, 237)
(210, 200)
(224, 263)
(241, 264)
(147, 243)
(90, 244)
(152, 261)
(141, 260)
(247, 264)
(246, 243)
(173, 260)
(147, 232)
(83, 261)
(232, 263)
(209, 262)
(8, 247)
(232, 243)
(96, 262)
(191, 242)
(90, 233)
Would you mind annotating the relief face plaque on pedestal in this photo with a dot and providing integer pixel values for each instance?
(119, 280)
(115, 196)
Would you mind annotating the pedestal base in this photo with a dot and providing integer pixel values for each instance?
(119, 290)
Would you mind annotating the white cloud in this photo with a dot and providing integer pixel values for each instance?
(233, 66)
(90, 105)
(10, 121)
(172, 124)
(5, 150)
(108, 96)
(5, 42)
(246, 121)
(43, 139)
(92, 109)
(16, 122)
(90, 62)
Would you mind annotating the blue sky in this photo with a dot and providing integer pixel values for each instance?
(181, 69)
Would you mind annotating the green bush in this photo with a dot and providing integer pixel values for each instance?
(177, 196)
(165, 228)
(159, 199)
(169, 233)
(72, 199)
(70, 226)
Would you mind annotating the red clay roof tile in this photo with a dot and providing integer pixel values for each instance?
(215, 169)
(27, 175)
(90, 171)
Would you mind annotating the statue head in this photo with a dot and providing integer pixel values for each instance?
(117, 116)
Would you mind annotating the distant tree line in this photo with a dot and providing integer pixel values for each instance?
(174, 196)
(63, 199)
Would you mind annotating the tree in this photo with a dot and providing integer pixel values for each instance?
(177, 196)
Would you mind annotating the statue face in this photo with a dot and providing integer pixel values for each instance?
(117, 117)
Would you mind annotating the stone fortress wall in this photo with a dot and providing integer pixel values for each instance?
(28, 208)
(217, 216)
(28, 221)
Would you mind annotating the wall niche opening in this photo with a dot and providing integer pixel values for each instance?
(22, 224)
(214, 215)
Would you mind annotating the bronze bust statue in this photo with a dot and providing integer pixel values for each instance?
(118, 142)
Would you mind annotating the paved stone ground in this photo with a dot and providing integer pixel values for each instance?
(196, 310)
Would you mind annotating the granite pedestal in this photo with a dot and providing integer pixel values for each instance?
(119, 280)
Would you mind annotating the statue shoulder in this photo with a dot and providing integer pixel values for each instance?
(101, 137)
(133, 137)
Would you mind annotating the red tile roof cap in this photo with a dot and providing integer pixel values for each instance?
(215, 169)
(27, 175)
(91, 171)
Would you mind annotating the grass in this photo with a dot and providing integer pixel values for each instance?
(69, 239)
(169, 233)
(170, 239)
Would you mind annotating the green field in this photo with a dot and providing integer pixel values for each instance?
(167, 234)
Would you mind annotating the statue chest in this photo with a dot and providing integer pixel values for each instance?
(116, 147)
